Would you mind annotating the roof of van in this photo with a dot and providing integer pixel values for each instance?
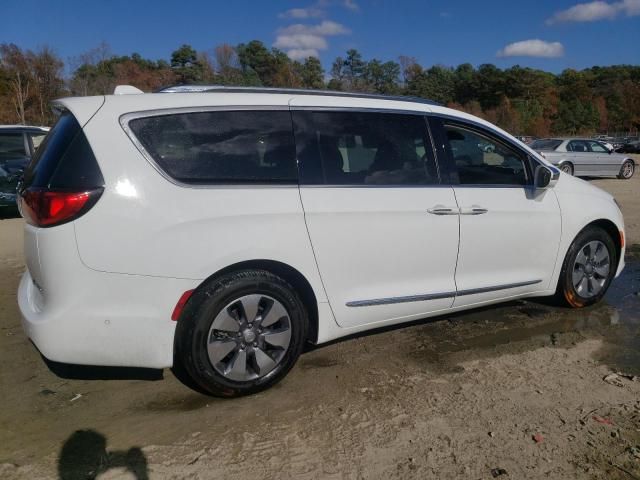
(290, 91)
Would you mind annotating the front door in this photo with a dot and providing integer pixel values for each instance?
(384, 230)
(509, 232)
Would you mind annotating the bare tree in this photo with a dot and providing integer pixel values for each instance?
(46, 69)
(407, 65)
(16, 66)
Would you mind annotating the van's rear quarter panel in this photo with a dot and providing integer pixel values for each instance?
(146, 225)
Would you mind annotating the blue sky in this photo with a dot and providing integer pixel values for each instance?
(546, 34)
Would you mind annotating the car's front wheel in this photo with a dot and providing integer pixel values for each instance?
(588, 268)
(241, 333)
(627, 170)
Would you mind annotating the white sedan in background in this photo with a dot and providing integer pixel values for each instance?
(585, 157)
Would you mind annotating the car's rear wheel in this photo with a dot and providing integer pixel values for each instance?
(241, 333)
(567, 168)
(627, 170)
(588, 268)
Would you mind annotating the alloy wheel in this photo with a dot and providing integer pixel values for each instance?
(249, 337)
(591, 269)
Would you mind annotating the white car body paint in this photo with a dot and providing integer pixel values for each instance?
(101, 289)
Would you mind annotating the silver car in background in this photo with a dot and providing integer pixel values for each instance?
(585, 157)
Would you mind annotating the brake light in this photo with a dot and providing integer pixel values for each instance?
(46, 208)
(184, 298)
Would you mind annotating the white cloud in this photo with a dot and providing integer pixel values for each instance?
(302, 53)
(351, 5)
(532, 48)
(301, 41)
(301, 13)
(596, 10)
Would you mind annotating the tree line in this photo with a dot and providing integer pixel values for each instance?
(521, 100)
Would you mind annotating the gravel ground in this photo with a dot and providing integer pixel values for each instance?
(513, 391)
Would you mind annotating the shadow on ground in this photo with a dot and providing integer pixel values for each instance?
(84, 456)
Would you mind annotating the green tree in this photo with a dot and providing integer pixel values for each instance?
(186, 65)
(311, 73)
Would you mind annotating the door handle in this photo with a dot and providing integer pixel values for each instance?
(442, 210)
(474, 210)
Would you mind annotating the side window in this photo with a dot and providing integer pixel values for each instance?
(597, 147)
(363, 148)
(36, 139)
(11, 145)
(480, 160)
(232, 147)
(577, 146)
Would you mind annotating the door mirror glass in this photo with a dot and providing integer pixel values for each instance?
(542, 177)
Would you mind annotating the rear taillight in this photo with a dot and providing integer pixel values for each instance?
(47, 208)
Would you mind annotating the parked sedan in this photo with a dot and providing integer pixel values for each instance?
(17, 144)
(585, 157)
(632, 146)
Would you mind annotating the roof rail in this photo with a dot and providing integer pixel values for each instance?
(292, 91)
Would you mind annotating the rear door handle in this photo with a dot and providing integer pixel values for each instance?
(474, 210)
(442, 210)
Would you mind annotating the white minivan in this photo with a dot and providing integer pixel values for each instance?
(220, 229)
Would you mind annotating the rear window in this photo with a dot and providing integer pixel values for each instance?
(228, 147)
(64, 159)
(546, 144)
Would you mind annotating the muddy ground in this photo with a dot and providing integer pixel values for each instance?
(514, 391)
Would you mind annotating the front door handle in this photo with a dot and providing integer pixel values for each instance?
(442, 210)
(474, 210)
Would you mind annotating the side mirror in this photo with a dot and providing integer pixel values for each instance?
(542, 177)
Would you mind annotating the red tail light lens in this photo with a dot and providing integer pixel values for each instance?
(46, 208)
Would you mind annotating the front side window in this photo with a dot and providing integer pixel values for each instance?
(363, 148)
(232, 147)
(597, 147)
(480, 160)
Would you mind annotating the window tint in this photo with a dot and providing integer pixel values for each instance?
(363, 148)
(483, 161)
(11, 145)
(577, 146)
(221, 147)
(597, 147)
(546, 144)
(64, 159)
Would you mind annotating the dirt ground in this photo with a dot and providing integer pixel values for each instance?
(513, 391)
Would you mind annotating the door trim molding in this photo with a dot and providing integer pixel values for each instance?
(437, 296)
(473, 291)
(392, 300)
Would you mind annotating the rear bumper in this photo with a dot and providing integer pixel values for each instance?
(105, 320)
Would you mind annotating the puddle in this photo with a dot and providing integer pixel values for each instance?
(519, 326)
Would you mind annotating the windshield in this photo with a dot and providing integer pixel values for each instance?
(546, 144)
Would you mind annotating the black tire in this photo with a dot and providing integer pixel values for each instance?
(627, 166)
(207, 302)
(566, 292)
(567, 168)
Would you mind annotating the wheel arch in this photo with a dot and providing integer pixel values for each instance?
(288, 273)
(564, 161)
(612, 230)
